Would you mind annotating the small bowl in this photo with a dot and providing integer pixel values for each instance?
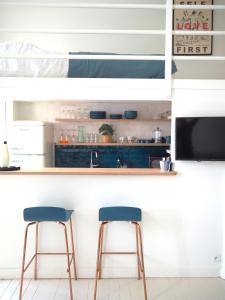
(97, 114)
(130, 114)
(115, 116)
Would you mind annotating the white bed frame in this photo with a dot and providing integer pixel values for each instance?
(106, 89)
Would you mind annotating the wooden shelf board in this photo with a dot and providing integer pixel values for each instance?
(110, 120)
(117, 144)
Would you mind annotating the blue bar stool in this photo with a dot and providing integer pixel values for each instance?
(121, 213)
(36, 215)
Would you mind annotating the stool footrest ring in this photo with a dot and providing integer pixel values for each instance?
(53, 253)
(118, 252)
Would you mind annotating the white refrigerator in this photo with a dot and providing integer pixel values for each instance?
(31, 144)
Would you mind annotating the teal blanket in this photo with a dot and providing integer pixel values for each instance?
(97, 68)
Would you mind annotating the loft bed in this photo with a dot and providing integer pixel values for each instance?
(103, 85)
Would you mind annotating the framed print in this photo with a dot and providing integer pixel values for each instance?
(192, 19)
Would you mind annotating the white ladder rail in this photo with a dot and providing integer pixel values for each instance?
(84, 5)
(168, 48)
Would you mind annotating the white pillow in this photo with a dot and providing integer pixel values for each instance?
(30, 67)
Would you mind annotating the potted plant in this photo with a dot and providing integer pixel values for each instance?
(106, 132)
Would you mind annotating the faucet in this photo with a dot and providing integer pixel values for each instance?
(118, 163)
(92, 165)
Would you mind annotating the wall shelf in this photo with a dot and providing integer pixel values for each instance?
(117, 144)
(111, 120)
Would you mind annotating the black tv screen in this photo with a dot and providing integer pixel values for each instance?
(200, 138)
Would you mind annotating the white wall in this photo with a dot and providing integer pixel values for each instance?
(182, 214)
(40, 18)
(204, 186)
(222, 273)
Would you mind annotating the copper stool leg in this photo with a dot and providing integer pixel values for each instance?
(142, 261)
(23, 261)
(100, 251)
(73, 251)
(138, 254)
(68, 260)
(36, 251)
(98, 260)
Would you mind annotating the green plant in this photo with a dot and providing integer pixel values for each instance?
(106, 129)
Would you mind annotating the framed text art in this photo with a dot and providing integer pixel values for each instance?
(192, 19)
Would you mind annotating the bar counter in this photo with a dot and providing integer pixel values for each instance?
(150, 189)
(90, 171)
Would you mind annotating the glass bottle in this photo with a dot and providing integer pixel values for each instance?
(66, 135)
(157, 135)
(80, 134)
(61, 138)
(73, 136)
(5, 155)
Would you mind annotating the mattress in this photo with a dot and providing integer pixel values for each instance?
(74, 68)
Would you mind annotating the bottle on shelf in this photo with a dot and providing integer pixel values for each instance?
(63, 139)
(157, 135)
(73, 136)
(81, 134)
(5, 155)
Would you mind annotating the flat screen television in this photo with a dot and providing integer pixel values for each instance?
(200, 138)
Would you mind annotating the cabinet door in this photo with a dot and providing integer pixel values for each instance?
(68, 157)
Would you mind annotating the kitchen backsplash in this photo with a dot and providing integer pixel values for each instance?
(49, 111)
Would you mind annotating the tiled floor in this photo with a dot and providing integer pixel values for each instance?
(118, 289)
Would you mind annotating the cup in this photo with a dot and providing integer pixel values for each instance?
(96, 138)
(163, 165)
(168, 139)
(121, 139)
(88, 138)
(130, 139)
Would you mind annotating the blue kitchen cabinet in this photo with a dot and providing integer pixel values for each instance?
(79, 156)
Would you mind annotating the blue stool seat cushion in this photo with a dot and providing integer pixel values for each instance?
(120, 213)
(46, 213)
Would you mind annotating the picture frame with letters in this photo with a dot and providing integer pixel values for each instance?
(192, 19)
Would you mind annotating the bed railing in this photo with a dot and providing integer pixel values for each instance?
(168, 32)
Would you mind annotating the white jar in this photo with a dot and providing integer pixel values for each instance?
(163, 165)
